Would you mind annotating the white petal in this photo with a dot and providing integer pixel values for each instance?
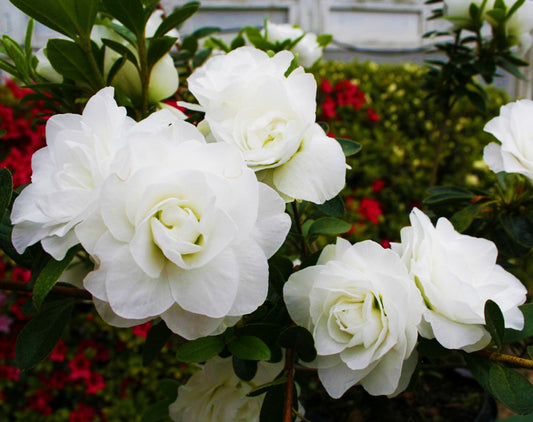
(190, 325)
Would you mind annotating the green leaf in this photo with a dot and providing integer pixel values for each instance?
(128, 12)
(237, 42)
(205, 31)
(273, 404)
(333, 207)
(16, 54)
(512, 336)
(446, 193)
(200, 57)
(157, 412)
(49, 276)
(263, 388)
(189, 43)
(512, 389)
(462, 219)
(169, 387)
(6, 190)
(323, 40)
(244, 369)
(494, 322)
(249, 348)
(28, 49)
(177, 17)
(519, 228)
(256, 39)
(349, 147)
(329, 225)
(214, 42)
(69, 17)
(431, 348)
(121, 49)
(41, 333)
(479, 367)
(158, 47)
(200, 350)
(157, 337)
(300, 340)
(67, 58)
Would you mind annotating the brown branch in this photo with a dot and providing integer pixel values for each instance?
(74, 292)
(289, 368)
(508, 360)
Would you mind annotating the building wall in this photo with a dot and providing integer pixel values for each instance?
(380, 30)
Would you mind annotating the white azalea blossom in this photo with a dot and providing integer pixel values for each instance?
(250, 103)
(216, 394)
(520, 25)
(307, 49)
(459, 10)
(514, 129)
(456, 275)
(362, 309)
(68, 173)
(184, 231)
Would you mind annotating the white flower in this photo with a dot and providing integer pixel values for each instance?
(184, 231)
(248, 102)
(514, 129)
(459, 10)
(520, 25)
(307, 49)
(67, 174)
(215, 394)
(362, 309)
(456, 275)
(164, 77)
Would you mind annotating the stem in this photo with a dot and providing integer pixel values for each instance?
(296, 215)
(144, 74)
(289, 368)
(74, 292)
(85, 44)
(508, 360)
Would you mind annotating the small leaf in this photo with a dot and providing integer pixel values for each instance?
(157, 337)
(519, 228)
(129, 13)
(273, 404)
(256, 39)
(157, 412)
(158, 47)
(349, 147)
(121, 49)
(49, 276)
(69, 60)
(462, 219)
(494, 322)
(263, 388)
(323, 40)
(249, 348)
(329, 225)
(6, 190)
(512, 389)
(200, 350)
(237, 42)
(479, 367)
(40, 335)
(205, 31)
(244, 369)
(301, 340)
(200, 57)
(177, 17)
(446, 193)
(333, 207)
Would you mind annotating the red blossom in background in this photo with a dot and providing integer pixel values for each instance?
(9, 372)
(142, 329)
(378, 185)
(40, 401)
(80, 367)
(94, 383)
(82, 413)
(370, 209)
(59, 352)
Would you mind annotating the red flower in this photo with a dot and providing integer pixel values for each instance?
(378, 185)
(57, 380)
(40, 402)
(329, 108)
(59, 352)
(372, 115)
(94, 383)
(370, 209)
(83, 413)
(325, 86)
(21, 274)
(385, 243)
(80, 367)
(9, 372)
(142, 330)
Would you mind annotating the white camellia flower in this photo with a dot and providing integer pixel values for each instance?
(520, 25)
(68, 173)
(307, 49)
(184, 231)
(164, 77)
(250, 103)
(216, 394)
(456, 275)
(362, 309)
(514, 129)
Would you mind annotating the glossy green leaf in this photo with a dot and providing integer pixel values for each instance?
(128, 12)
(237, 42)
(40, 335)
(254, 36)
(177, 17)
(519, 228)
(244, 369)
(272, 408)
(121, 49)
(329, 225)
(462, 219)
(334, 207)
(6, 190)
(300, 340)
(49, 276)
(200, 57)
(494, 322)
(158, 47)
(349, 147)
(200, 350)
(69, 60)
(157, 337)
(446, 193)
(249, 348)
(512, 389)
(479, 367)
(512, 336)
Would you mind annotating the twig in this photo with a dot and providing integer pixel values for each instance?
(59, 290)
(508, 360)
(289, 368)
